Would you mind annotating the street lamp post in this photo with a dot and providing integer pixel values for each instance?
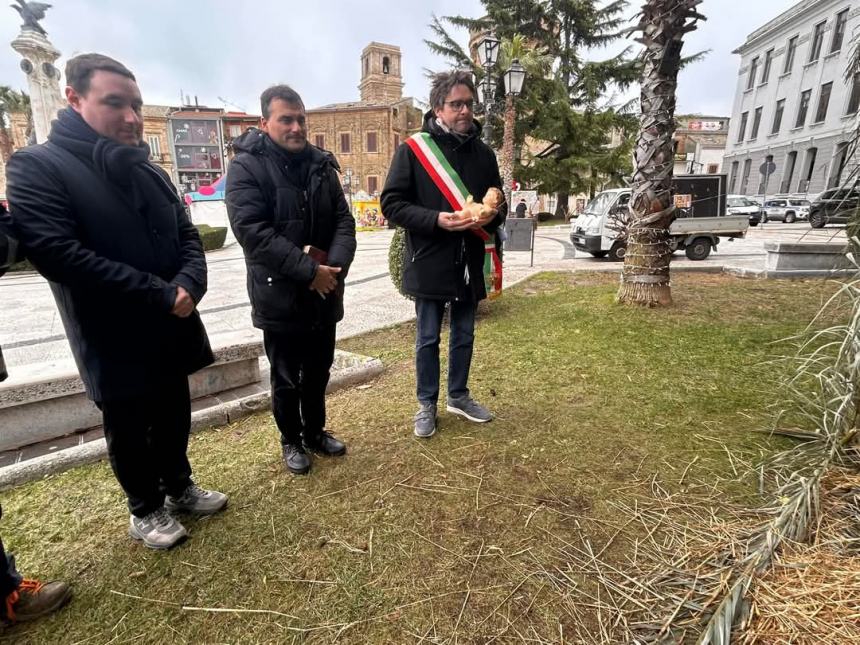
(514, 78)
(488, 53)
(347, 182)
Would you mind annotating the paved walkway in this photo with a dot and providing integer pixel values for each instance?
(31, 330)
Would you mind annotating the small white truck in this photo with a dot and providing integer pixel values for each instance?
(700, 224)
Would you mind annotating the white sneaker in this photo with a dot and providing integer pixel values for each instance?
(158, 530)
(196, 500)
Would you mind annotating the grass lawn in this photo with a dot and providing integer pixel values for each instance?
(451, 539)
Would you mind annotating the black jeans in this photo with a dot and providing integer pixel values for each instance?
(300, 363)
(147, 442)
(460, 344)
(9, 576)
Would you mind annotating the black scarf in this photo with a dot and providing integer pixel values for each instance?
(113, 161)
(297, 163)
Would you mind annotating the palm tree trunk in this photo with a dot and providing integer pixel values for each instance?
(508, 149)
(645, 276)
(5, 144)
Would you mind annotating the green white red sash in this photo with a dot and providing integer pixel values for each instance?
(446, 179)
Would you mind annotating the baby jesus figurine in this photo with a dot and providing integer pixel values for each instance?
(486, 210)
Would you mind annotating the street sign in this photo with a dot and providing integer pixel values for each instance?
(767, 168)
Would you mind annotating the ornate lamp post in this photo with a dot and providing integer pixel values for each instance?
(347, 184)
(488, 54)
(514, 78)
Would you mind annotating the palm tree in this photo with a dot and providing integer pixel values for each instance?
(535, 65)
(645, 277)
(11, 101)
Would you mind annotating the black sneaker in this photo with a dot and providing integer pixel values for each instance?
(296, 459)
(325, 443)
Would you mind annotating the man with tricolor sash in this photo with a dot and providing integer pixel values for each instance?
(429, 182)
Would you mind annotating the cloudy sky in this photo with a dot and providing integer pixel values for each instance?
(232, 50)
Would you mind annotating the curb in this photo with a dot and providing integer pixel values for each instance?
(218, 415)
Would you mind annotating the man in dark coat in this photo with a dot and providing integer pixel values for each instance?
(288, 211)
(444, 258)
(21, 599)
(127, 269)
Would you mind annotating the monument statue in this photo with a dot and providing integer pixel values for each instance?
(38, 58)
(31, 14)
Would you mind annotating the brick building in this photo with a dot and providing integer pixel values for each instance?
(364, 134)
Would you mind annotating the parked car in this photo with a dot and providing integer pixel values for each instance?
(834, 206)
(741, 205)
(786, 209)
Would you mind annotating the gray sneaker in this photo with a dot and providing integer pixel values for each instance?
(196, 500)
(157, 530)
(469, 408)
(425, 420)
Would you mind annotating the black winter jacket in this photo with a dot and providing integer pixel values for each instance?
(274, 218)
(113, 267)
(435, 260)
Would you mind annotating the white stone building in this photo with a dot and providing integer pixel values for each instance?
(793, 104)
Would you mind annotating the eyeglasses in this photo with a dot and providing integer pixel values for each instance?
(459, 105)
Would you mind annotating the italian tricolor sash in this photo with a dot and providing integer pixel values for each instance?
(455, 192)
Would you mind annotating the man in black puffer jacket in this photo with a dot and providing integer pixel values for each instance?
(127, 270)
(444, 258)
(288, 211)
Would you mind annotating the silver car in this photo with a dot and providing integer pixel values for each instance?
(787, 209)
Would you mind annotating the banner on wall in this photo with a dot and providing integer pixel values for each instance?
(368, 213)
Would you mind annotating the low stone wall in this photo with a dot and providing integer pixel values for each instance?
(213, 409)
(45, 401)
(807, 259)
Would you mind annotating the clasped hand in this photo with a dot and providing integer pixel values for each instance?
(325, 280)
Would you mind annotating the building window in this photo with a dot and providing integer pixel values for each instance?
(733, 177)
(745, 177)
(788, 175)
(345, 143)
(823, 102)
(765, 70)
(235, 131)
(777, 116)
(753, 70)
(371, 142)
(839, 162)
(743, 128)
(809, 169)
(854, 100)
(802, 108)
(839, 31)
(319, 141)
(154, 146)
(713, 168)
(790, 49)
(372, 184)
(817, 40)
(756, 123)
(386, 65)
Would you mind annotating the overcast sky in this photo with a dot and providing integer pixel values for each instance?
(233, 50)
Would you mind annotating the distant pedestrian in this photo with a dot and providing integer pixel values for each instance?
(521, 209)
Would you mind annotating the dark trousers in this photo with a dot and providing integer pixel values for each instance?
(9, 576)
(147, 442)
(300, 363)
(460, 343)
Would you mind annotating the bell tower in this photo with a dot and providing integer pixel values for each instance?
(381, 80)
